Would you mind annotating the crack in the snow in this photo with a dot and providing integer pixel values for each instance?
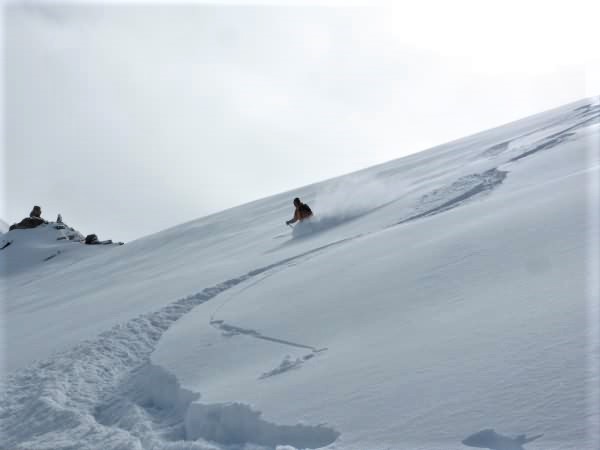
(233, 330)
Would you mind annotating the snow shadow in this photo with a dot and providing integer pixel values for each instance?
(170, 414)
(236, 423)
(490, 439)
(150, 396)
(285, 366)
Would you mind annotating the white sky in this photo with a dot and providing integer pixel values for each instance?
(131, 118)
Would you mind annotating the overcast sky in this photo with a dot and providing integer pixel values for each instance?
(131, 118)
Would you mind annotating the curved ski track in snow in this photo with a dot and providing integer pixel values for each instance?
(464, 189)
(105, 393)
(228, 330)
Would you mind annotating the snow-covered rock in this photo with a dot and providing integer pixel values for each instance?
(30, 250)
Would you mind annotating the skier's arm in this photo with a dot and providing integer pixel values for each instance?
(295, 218)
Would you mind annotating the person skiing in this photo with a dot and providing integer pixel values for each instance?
(302, 212)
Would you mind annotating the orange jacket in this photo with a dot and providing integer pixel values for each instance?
(301, 213)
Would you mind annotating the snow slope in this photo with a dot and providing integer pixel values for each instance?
(430, 298)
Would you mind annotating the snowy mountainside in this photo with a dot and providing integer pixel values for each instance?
(3, 226)
(429, 298)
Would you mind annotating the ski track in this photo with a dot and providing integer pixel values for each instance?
(584, 116)
(464, 189)
(105, 393)
(544, 144)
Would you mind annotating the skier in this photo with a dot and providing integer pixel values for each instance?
(302, 212)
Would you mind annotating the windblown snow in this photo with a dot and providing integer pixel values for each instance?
(443, 300)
